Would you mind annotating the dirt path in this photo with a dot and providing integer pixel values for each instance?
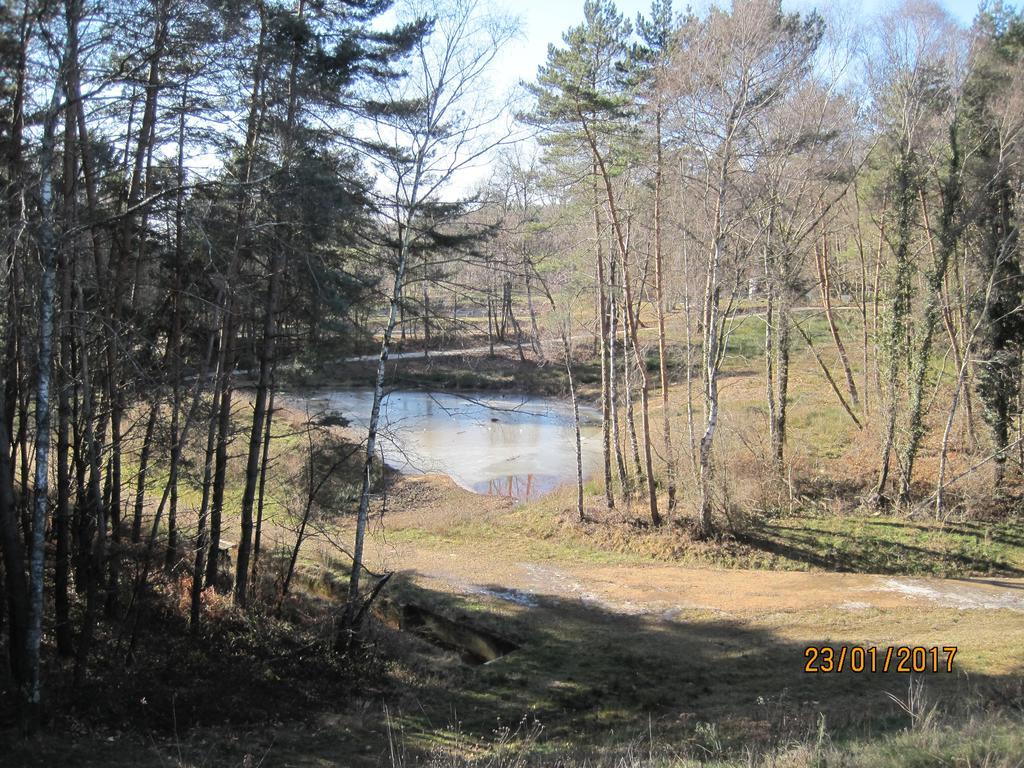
(668, 589)
(510, 346)
(500, 346)
(425, 510)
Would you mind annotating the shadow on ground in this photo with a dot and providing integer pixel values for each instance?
(891, 547)
(596, 680)
(586, 679)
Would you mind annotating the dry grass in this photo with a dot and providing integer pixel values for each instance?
(983, 741)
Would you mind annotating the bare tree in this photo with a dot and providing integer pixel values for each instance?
(47, 303)
(436, 123)
(731, 67)
(803, 171)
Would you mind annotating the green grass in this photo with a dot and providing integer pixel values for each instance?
(503, 373)
(989, 741)
(824, 430)
(863, 544)
(993, 743)
(544, 530)
(537, 543)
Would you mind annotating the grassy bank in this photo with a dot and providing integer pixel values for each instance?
(853, 542)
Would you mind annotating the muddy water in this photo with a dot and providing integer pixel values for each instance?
(504, 445)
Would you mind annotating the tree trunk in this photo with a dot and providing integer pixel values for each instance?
(535, 341)
(875, 301)
(944, 450)
(825, 284)
(94, 533)
(261, 497)
(41, 500)
(659, 300)
(311, 491)
(223, 418)
(171, 556)
(65, 416)
(613, 397)
(688, 313)
(490, 325)
(968, 394)
(566, 346)
(228, 309)
(201, 546)
(895, 338)
(174, 346)
(863, 300)
(769, 361)
(631, 321)
(710, 351)
(634, 445)
(278, 265)
(782, 348)
(127, 242)
(948, 237)
(252, 467)
(602, 300)
(13, 551)
(349, 628)
(140, 481)
(426, 321)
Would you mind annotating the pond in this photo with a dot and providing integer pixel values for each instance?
(507, 445)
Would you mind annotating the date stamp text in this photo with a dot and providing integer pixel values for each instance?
(895, 658)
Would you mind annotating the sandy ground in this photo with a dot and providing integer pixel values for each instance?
(664, 589)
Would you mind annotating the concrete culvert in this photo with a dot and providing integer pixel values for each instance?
(474, 646)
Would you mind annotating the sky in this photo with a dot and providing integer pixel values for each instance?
(544, 21)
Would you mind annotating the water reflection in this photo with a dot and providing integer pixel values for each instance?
(528, 486)
(504, 445)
